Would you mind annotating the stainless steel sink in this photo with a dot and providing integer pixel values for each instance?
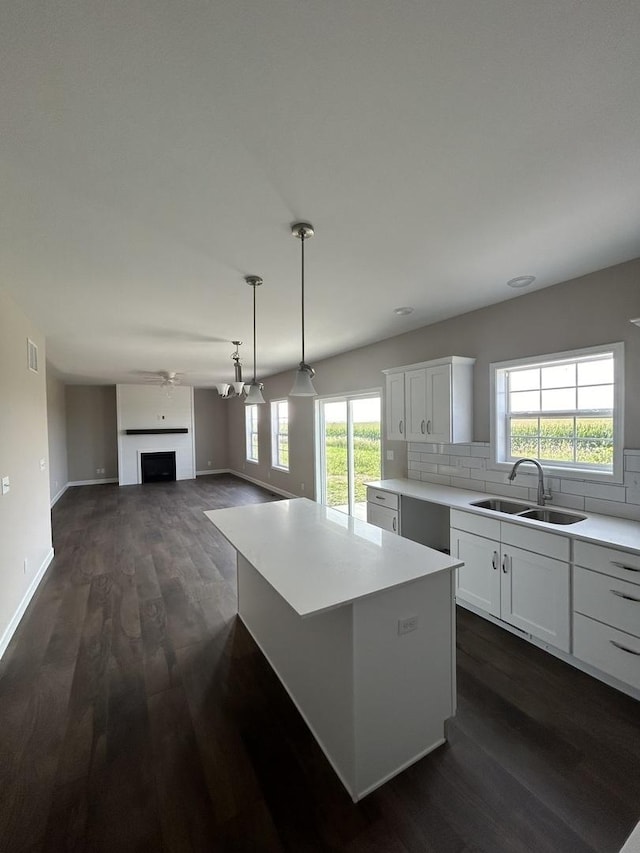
(498, 505)
(552, 516)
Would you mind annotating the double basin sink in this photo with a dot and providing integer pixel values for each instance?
(522, 510)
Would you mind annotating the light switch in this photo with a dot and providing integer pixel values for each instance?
(6, 485)
(389, 455)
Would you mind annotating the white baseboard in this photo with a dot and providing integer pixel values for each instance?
(92, 482)
(213, 471)
(268, 486)
(26, 598)
(56, 498)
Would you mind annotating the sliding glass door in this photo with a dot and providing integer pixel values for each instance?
(349, 450)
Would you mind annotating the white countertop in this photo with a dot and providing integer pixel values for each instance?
(600, 529)
(317, 558)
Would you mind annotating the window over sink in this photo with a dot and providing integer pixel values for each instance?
(564, 410)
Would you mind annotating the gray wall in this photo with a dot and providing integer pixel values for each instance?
(210, 415)
(57, 430)
(590, 310)
(25, 518)
(92, 440)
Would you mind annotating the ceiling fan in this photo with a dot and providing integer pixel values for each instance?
(167, 380)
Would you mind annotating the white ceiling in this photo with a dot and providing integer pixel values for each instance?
(153, 153)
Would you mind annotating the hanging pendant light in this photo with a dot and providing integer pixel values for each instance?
(303, 386)
(254, 392)
(233, 389)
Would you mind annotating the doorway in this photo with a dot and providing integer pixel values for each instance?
(348, 450)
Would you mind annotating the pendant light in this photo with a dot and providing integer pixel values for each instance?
(303, 386)
(254, 392)
(233, 389)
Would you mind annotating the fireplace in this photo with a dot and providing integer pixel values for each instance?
(158, 467)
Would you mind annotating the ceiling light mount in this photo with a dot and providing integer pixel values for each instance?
(303, 386)
(403, 310)
(521, 281)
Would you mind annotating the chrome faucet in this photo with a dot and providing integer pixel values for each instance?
(542, 494)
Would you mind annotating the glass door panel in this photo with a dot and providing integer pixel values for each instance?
(350, 451)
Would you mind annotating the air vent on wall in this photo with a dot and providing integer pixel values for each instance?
(32, 356)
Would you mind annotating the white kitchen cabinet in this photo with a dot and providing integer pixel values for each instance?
(606, 604)
(383, 509)
(431, 401)
(395, 407)
(524, 587)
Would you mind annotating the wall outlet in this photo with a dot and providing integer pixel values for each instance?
(408, 624)
(302, 487)
(25, 565)
(208, 463)
(389, 455)
(43, 464)
(6, 485)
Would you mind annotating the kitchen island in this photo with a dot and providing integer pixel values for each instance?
(359, 626)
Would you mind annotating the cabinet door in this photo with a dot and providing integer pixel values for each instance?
(383, 517)
(478, 581)
(395, 407)
(415, 398)
(534, 595)
(438, 403)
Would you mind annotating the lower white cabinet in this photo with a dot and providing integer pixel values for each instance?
(382, 509)
(606, 604)
(525, 588)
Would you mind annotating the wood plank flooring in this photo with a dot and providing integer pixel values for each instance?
(137, 714)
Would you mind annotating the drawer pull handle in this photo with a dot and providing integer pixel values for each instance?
(505, 563)
(622, 566)
(380, 498)
(422, 427)
(624, 595)
(624, 648)
(401, 426)
(429, 427)
(394, 525)
(494, 560)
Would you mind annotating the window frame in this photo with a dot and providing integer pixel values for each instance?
(249, 412)
(275, 435)
(498, 404)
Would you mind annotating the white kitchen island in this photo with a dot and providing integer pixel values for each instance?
(328, 599)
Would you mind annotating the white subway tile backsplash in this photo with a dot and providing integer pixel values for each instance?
(565, 500)
(594, 490)
(464, 483)
(465, 466)
(631, 461)
(480, 449)
(436, 478)
(509, 491)
(453, 470)
(458, 449)
(622, 510)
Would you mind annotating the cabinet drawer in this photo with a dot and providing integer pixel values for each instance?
(607, 599)
(377, 496)
(478, 524)
(608, 649)
(610, 561)
(382, 517)
(538, 541)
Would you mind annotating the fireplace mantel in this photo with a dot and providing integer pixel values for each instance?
(156, 431)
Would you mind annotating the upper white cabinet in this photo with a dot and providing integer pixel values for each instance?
(431, 401)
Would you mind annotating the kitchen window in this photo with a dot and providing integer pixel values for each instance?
(565, 410)
(251, 429)
(280, 434)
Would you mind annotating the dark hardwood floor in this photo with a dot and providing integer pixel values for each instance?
(137, 714)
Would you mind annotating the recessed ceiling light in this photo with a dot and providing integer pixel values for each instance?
(521, 281)
(404, 309)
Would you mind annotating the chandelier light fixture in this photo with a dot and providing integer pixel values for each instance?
(303, 386)
(254, 392)
(233, 389)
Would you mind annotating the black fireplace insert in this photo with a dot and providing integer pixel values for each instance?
(158, 467)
